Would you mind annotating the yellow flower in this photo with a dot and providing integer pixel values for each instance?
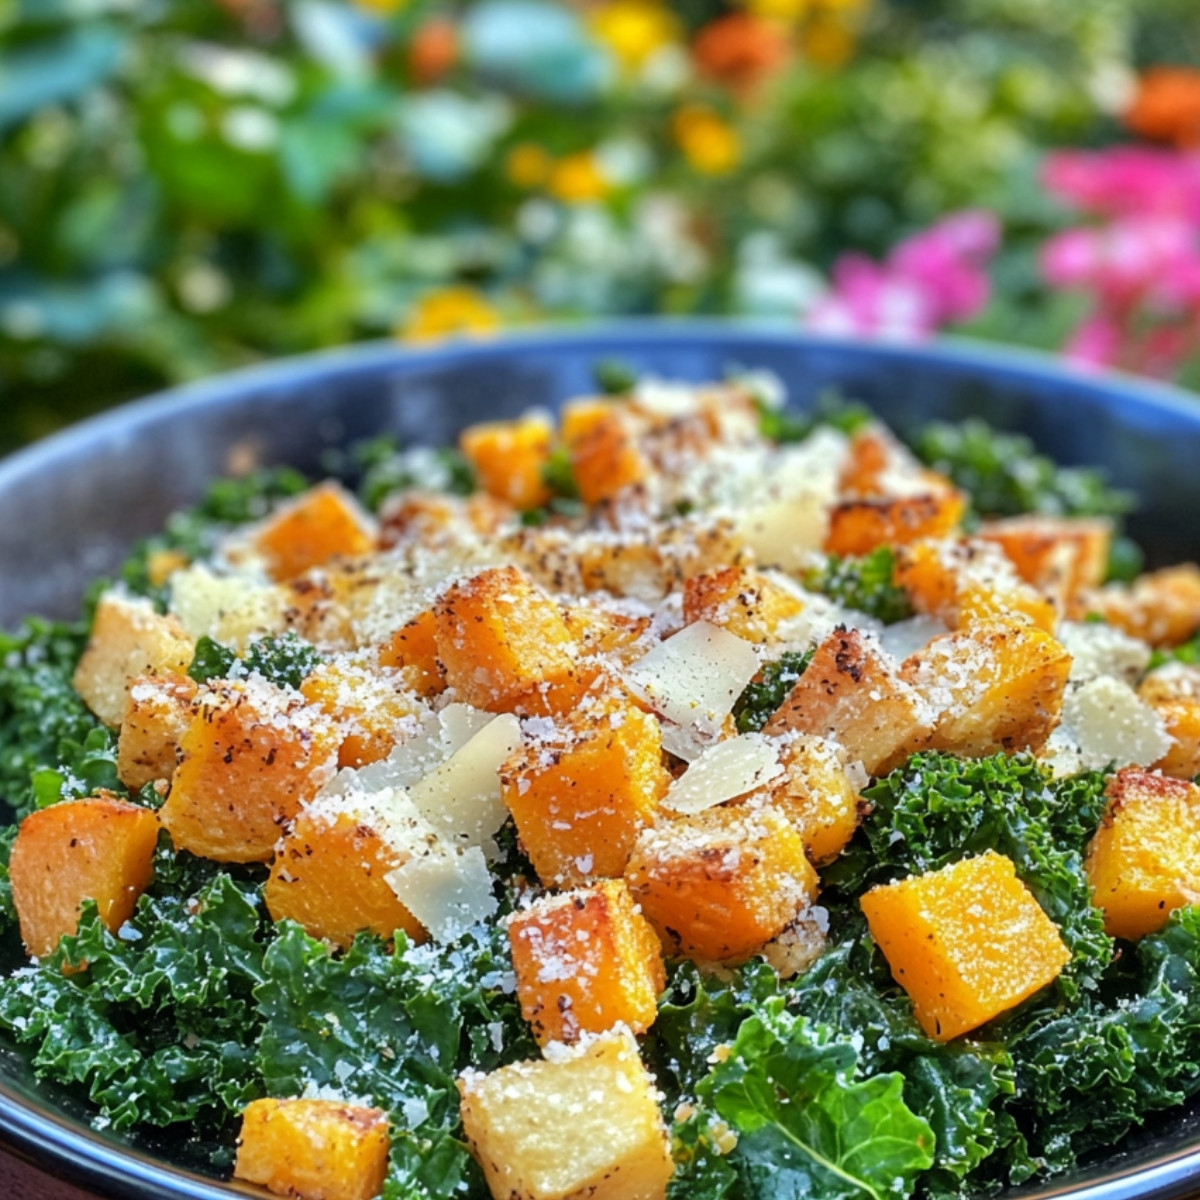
(383, 7)
(634, 29)
(710, 144)
(787, 11)
(449, 312)
(577, 179)
(827, 43)
(528, 165)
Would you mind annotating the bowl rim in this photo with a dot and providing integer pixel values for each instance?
(45, 1136)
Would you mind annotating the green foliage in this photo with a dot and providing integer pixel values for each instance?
(832, 411)
(286, 661)
(762, 697)
(614, 377)
(383, 468)
(864, 584)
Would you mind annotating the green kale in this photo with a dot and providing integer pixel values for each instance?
(559, 477)
(383, 468)
(864, 584)
(832, 411)
(937, 809)
(1004, 476)
(394, 1028)
(761, 698)
(1187, 652)
(286, 660)
(614, 376)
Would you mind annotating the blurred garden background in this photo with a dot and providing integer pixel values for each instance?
(190, 185)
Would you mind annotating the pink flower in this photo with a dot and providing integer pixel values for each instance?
(1126, 181)
(1097, 342)
(1123, 259)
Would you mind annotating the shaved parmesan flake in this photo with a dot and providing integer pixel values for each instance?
(226, 607)
(446, 889)
(1112, 724)
(723, 772)
(1098, 649)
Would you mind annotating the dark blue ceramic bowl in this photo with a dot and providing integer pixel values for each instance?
(74, 504)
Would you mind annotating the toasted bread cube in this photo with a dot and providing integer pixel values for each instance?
(852, 694)
(370, 708)
(509, 456)
(128, 639)
(1162, 608)
(857, 527)
(1144, 860)
(326, 522)
(816, 795)
(329, 877)
(586, 960)
(580, 798)
(719, 884)
(250, 757)
(157, 710)
(743, 601)
(994, 686)
(413, 649)
(1057, 555)
(1174, 693)
(499, 638)
(582, 1126)
(436, 520)
(966, 942)
(314, 1149)
(98, 849)
(606, 458)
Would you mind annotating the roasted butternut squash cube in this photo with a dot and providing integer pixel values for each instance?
(250, 757)
(583, 1126)
(435, 519)
(157, 710)
(854, 695)
(326, 522)
(857, 527)
(816, 795)
(413, 649)
(1057, 555)
(499, 637)
(601, 632)
(581, 795)
(99, 849)
(586, 960)
(606, 458)
(128, 639)
(314, 1149)
(719, 884)
(966, 942)
(994, 686)
(1174, 693)
(744, 601)
(870, 454)
(329, 876)
(371, 708)
(509, 456)
(1162, 608)
(1144, 860)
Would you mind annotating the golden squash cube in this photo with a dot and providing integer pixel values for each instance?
(606, 458)
(580, 796)
(314, 1149)
(583, 1126)
(966, 942)
(508, 457)
(413, 649)
(994, 686)
(816, 795)
(329, 876)
(857, 527)
(326, 522)
(1174, 693)
(157, 711)
(1162, 607)
(852, 694)
(98, 849)
(719, 884)
(586, 960)
(744, 601)
(1057, 555)
(499, 638)
(128, 639)
(1144, 860)
(250, 757)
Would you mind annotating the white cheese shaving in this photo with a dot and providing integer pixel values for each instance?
(729, 769)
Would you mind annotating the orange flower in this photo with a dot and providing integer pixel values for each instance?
(1166, 107)
(709, 143)
(740, 50)
(433, 51)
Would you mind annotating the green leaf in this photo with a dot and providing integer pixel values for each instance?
(761, 698)
(286, 660)
(864, 584)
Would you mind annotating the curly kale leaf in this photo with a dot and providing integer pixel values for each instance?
(160, 1026)
(937, 809)
(808, 1122)
(832, 410)
(864, 584)
(286, 660)
(393, 1028)
(762, 697)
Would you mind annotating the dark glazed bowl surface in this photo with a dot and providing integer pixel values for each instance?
(71, 507)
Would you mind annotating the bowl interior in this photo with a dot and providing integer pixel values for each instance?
(74, 505)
